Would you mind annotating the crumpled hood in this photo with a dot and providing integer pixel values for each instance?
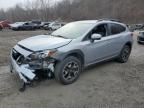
(43, 42)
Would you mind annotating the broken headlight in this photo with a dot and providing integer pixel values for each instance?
(43, 55)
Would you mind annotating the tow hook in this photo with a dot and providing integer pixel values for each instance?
(23, 87)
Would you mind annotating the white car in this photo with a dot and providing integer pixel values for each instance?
(55, 26)
(16, 24)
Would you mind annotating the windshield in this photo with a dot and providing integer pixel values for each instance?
(73, 30)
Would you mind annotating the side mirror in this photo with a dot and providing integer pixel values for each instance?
(96, 37)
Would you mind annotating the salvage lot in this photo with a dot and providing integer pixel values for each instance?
(106, 85)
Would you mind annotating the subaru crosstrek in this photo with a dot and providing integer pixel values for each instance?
(64, 53)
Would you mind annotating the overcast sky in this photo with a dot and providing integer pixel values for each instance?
(10, 3)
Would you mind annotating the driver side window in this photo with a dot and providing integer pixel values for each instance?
(100, 29)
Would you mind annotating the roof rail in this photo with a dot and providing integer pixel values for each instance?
(109, 20)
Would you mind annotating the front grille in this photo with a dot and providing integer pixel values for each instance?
(15, 54)
(19, 58)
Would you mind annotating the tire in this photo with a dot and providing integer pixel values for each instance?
(124, 55)
(19, 28)
(33, 29)
(65, 71)
(50, 29)
(138, 42)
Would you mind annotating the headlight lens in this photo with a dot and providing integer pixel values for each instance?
(42, 55)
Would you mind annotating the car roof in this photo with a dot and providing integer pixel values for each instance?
(96, 21)
(101, 20)
(87, 21)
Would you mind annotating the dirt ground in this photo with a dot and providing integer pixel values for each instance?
(106, 85)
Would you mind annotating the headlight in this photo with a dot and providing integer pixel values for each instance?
(42, 55)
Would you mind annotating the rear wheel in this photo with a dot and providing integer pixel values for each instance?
(33, 28)
(68, 71)
(125, 53)
(138, 42)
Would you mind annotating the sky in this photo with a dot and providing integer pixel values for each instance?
(9, 3)
(5, 4)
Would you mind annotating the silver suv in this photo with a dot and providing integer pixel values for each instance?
(67, 51)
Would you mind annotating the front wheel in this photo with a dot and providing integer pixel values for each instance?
(124, 55)
(68, 71)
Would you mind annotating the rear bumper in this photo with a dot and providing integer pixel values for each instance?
(23, 71)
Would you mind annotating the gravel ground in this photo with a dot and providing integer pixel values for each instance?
(105, 85)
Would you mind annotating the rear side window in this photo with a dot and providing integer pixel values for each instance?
(116, 29)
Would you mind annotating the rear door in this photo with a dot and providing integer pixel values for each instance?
(108, 46)
(116, 38)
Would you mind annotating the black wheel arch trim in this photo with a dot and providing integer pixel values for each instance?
(129, 44)
(76, 53)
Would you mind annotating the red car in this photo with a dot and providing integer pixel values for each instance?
(1, 26)
(4, 24)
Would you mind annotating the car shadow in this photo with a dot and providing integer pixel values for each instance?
(52, 81)
(98, 65)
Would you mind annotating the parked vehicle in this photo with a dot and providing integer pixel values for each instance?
(137, 27)
(16, 24)
(37, 24)
(5, 24)
(44, 24)
(67, 51)
(1, 27)
(56, 26)
(47, 27)
(23, 26)
(140, 38)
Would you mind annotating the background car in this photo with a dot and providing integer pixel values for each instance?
(23, 26)
(1, 27)
(5, 24)
(140, 38)
(47, 27)
(16, 25)
(44, 24)
(56, 26)
(36, 23)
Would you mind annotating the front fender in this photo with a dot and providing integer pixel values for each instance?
(60, 56)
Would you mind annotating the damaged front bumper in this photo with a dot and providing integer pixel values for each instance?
(28, 70)
(23, 71)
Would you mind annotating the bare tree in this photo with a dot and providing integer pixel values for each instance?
(129, 11)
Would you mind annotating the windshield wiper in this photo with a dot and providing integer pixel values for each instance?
(59, 36)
